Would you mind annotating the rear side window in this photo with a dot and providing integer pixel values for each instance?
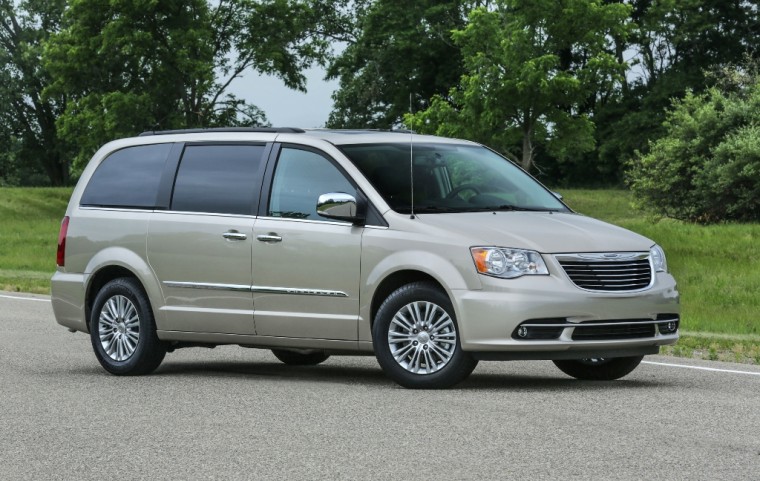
(128, 178)
(220, 179)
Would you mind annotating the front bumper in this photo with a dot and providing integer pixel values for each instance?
(487, 318)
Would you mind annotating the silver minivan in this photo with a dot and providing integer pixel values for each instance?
(430, 253)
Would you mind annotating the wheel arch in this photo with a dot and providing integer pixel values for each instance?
(98, 280)
(391, 271)
(396, 280)
(114, 263)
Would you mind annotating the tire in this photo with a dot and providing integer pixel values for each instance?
(295, 358)
(417, 322)
(123, 330)
(599, 369)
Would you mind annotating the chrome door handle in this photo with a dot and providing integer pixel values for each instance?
(271, 237)
(234, 235)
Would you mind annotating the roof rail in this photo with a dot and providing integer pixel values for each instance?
(367, 131)
(274, 130)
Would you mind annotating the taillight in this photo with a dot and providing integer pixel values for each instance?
(61, 256)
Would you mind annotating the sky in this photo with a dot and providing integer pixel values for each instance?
(285, 107)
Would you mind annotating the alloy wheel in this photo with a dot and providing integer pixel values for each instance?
(422, 337)
(119, 328)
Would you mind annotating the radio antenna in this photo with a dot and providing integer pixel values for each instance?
(411, 152)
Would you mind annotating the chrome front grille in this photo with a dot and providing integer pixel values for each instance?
(609, 272)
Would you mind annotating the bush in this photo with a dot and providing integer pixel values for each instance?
(707, 166)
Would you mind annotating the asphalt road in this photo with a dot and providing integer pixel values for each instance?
(234, 413)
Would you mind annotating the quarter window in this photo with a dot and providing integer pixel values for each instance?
(128, 178)
(221, 179)
(300, 178)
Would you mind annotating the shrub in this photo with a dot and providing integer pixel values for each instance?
(707, 166)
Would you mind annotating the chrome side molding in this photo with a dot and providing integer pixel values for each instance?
(260, 289)
(210, 286)
(298, 291)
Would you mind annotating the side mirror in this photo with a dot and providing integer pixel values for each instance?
(557, 195)
(339, 206)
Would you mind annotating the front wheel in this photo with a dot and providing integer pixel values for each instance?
(416, 339)
(599, 368)
(123, 331)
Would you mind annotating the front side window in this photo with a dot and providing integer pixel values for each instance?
(449, 178)
(221, 179)
(300, 178)
(128, 178)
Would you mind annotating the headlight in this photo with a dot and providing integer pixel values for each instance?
(508, 263)
(658, 259)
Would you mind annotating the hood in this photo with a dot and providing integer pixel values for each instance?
(540, 231)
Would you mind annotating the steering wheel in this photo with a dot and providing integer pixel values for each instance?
(457, 190)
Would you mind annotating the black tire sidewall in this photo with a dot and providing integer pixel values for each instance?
(150, 351)
(294, 358)
(612, 369)
(459, 366)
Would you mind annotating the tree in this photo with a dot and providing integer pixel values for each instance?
(394, 50)
(706, 168)
(530, 67)
(31, 148)
(128, 66)
(672, 45)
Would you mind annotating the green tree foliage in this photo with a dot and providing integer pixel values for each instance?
(30, 150)
(707, 166)
(672, 45)
(576, 87)
(664, 50)
(133, 65)
(394, 50)
(530, 67)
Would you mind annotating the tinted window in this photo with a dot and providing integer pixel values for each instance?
(449, 178)
(128, 178)
(218, 178)
(300, 178)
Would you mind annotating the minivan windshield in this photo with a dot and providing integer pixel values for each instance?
(449, 178)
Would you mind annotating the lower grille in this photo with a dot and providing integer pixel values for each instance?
(606, 330)
(623, 331)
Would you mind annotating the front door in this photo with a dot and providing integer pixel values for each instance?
(306, 269)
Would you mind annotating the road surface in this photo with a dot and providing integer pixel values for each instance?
(235, 413)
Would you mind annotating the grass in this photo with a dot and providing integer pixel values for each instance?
(717, 267)
(716, 347)
(29, 223)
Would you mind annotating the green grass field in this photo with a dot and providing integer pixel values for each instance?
(29, 222)
(717, 267)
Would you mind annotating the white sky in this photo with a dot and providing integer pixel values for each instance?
(285, 107)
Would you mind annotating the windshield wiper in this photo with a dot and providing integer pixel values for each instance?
(436, 209)
(511, 207)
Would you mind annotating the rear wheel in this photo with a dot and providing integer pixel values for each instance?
(599, 368)
(123, 331)
(295, 358)
(416, 338)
